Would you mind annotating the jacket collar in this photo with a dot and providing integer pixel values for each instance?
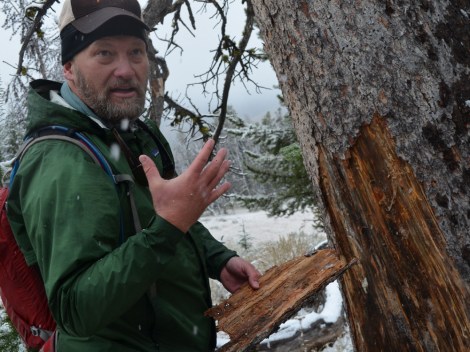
(71, 100)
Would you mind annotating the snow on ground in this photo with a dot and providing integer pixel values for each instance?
(258, 225)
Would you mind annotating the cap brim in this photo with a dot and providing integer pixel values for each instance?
(89, 23)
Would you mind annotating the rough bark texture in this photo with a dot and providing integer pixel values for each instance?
(379, 95)
(249, 316)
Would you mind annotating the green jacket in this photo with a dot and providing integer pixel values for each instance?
(65, 213)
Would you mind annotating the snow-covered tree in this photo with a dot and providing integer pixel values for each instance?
(273, 158)
(38, 59)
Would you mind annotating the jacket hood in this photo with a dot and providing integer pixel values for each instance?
(42, 112)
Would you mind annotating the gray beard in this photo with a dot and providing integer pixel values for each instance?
(127, 109)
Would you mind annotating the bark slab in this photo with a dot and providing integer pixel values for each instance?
(249, 316)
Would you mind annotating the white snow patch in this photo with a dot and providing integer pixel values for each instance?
(330, 313)
(343, 344)
(222, 339)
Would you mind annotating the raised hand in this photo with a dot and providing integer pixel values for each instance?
(182, 200)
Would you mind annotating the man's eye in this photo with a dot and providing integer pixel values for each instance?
(104, 53)
(137, 52)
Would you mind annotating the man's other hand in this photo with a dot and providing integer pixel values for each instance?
(182, 200)
(236, 272)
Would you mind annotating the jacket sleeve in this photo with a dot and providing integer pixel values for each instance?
(215, 253)
(69, 209)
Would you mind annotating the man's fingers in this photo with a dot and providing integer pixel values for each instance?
(217, 192)
(213, 172)
(150, 168)
(203, 157)
(216, 164)
(254, 283)
(252, 274)
(253, 278)
(222, 170)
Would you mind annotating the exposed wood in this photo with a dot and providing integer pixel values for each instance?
(404, 274)
(249, 316)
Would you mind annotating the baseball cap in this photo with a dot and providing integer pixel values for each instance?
(87, 15)
(81, 22)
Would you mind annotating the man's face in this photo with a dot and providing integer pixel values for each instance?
(110, 76)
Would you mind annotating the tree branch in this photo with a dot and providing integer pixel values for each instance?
(236, 59)
(35, 27)
(156, 10)
(198, 124)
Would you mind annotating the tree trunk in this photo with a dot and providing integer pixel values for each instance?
(380, 98)
(153, 14)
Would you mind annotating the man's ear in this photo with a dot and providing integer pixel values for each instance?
(68, 73)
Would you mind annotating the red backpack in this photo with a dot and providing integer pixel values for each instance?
(21, 286)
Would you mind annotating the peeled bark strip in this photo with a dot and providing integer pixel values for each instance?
(379, 95)
(249, 316)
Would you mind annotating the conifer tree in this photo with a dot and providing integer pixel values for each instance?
(275, 161)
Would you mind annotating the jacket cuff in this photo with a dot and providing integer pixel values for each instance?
(162, 237)
(222, 260)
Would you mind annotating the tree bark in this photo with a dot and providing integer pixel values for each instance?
(379, 95)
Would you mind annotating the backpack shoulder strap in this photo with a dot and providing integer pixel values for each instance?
(168, 165)
(66, 138)
(79, 139)
(64, 134)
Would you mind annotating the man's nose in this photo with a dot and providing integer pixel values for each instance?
(124, 68)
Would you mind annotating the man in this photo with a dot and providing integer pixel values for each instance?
(110, 287)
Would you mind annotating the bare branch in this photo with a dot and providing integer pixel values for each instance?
(236, 59)
(176, 19)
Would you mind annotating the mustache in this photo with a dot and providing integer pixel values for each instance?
(120, 83)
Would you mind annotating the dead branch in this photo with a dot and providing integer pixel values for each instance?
(40, 12)
(198, 124)
(234, 62)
